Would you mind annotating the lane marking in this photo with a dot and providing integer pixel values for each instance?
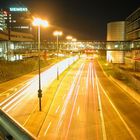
(78, 110)
(92, 77)
(12, 88)
(72, 113)
(17, 98)
(101, 110)
(87, 78)
(76, 95)
(59, 125)
(30, 115)
(54, 98)
(17, 101)
(47, 128)
(121, 118)
(64, 96)
(6, 100)
(57, 109)
(70, 93)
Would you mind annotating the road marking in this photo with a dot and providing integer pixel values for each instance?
(78, 110)
(15, 89)
(57, 109)
(72, 113)
(6, 100)
(54, 99)
(47, 129)
(92, 77)
(121, 118)
(59, 125)
(101, 111)
(23, 95)
(76, 95)
(35, 107)
(64, 96)
(87, 78)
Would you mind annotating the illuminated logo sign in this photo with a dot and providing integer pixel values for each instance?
(18, 9)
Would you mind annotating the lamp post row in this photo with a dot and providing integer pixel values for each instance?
(39, 22)
(57, 34)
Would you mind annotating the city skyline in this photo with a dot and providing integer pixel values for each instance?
(86, 20)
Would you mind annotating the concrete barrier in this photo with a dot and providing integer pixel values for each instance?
(11, 130)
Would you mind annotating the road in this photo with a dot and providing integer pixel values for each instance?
(84, 104)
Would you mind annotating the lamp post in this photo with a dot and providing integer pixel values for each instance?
(57, 34)
(39, 22)
(69, 38)
(74, 41)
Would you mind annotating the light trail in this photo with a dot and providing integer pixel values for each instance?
(87, 78)
(57, 109)
(101, 110)
(54, 99)
(47, 129)
(14, 95)
(76, 95)
(78, 110)
(46, 76)
(69, 96)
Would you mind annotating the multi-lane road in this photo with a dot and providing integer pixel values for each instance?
(84, 104)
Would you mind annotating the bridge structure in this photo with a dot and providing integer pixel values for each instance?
(30, 47)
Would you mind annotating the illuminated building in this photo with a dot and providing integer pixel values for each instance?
(2, 21)
(116, 31)
(115, 38)
(133, 26)
(133, 35)
(18, 19)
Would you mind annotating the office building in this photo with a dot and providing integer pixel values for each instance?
(18, 19)
(3, 26)
(133, 26)
(115, 38)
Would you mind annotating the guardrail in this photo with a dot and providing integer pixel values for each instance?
(12, 130)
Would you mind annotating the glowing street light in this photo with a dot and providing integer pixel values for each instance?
(39, 22)
(69, 37)
(74, 40)
(57, 34)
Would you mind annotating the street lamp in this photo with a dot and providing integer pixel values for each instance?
(57, 34)
(69, 38)
(39, 22)
(74, 42)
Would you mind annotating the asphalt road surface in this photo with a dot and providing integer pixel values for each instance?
(83, 105)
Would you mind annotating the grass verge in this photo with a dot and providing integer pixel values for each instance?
(11, 70)
(120, 74)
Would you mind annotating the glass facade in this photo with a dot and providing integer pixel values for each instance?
(133, 26)
(18, 20)
(2, 21)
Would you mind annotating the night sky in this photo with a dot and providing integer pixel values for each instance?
(84, 19)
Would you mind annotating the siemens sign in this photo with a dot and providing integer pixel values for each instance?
(18, 9)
